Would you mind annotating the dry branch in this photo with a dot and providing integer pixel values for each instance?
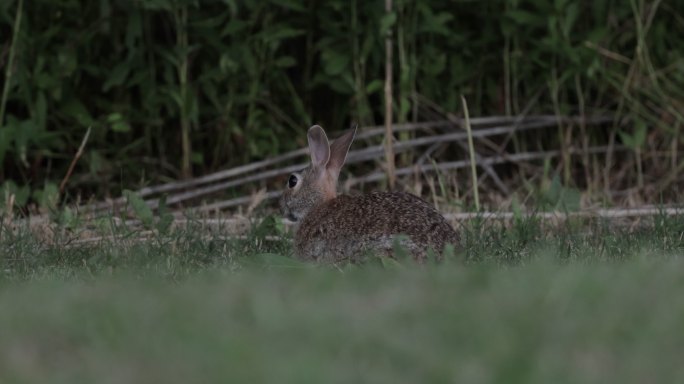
(373, 152)
(235, 228)
(502, 126)
(608, 213)
(497, 159)
(78, 155)
(357, 156)
(379, 175)
(233, 202)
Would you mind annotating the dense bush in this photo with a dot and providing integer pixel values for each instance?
(171, 88)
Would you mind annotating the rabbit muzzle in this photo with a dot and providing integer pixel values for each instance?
(288, 212)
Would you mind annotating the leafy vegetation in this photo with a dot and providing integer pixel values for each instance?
(173, 88)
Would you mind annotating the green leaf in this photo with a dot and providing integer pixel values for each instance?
(40, 112)
(438, 23)
(516, 207)
(197, 158)
(165, 216)
(571, 14)
(117, 122)
(234, 27)
(281, 33)
(558, 196)
(21, 194)
(227, 64)
(560, 4)
(141, 210)
(449, 252)
(435, 64)
(48, 197)
(640, 130)
(526, 18)
(95, 162)
(390, 263)
(627, 139)
(334, 63)
(294, 5)
(386, 22)
(285, 62)
(159, 5)
(7, 137)
(76, 110)
(117, 76)
(374, 86)
(169, 55)
(399, 248)
(68, 218)
(404, 106)
(134, 30)
(68, 62)
(26, 133)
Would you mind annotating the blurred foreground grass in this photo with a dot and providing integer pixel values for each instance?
(525, 304)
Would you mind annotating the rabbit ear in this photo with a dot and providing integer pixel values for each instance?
(338, 151)
(318, 146)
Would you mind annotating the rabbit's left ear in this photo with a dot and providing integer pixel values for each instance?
(318, 146)
(338, 151)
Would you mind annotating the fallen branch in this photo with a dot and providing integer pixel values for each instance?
(607, 213)
(379, 175)
(366, 154)
(497, 159)
(78, 155)
(233, 202)
(238, 227)
(519, 124)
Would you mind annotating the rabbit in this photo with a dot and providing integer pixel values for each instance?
(337, 229)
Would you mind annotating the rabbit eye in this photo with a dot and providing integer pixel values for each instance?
(292, 181)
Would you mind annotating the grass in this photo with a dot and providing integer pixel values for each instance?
(580, 302)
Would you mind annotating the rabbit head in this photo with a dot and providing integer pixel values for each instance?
(318, 182)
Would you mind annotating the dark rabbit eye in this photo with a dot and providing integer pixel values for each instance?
(292, 182)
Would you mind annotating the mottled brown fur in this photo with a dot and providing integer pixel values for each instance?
(349, 227)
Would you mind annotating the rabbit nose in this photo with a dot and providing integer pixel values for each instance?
(287, 212)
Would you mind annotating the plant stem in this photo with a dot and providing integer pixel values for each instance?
(182, 41)
(507, 75)
(640, 172)
(675, 144)
(78, 155)
(389, 139)
(583, 130)
(10, 63)
(564, 138)
(404, 82)
(362, 106)
(471, 149)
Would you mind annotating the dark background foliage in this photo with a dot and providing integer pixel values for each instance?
(178, 88)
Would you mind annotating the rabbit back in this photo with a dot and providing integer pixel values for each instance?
(351, 228)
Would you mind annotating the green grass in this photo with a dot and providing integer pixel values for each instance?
(528, 304)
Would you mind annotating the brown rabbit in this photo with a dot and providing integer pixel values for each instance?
(333, 228)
